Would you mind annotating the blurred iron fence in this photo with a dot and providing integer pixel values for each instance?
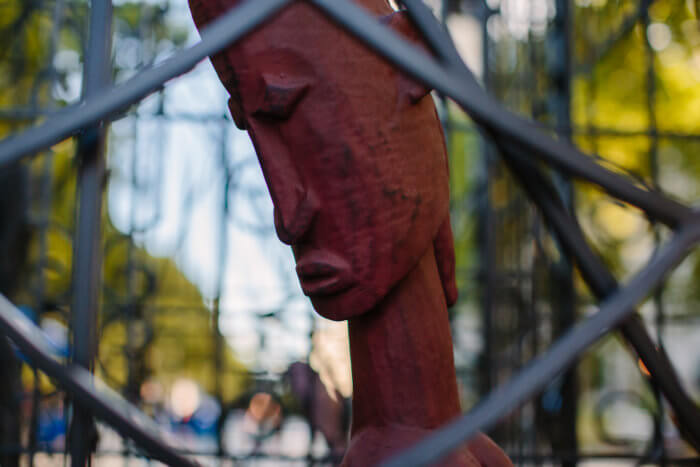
(144, 286)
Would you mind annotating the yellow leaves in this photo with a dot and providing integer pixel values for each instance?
(591, 3)
(625, 153)
(28, 381)
(659, 11)
(9, 11)
(463, 146)
(691, 33)
(36, 35)
(59, 252)
(614, 96)
(64, 147)
(678, 102)
(113, 359)
(501, 192)
(619, 222)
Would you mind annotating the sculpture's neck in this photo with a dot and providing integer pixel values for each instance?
(402, 361)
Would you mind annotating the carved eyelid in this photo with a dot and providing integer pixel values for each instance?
(280, 97)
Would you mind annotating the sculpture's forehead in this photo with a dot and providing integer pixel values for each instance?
(300, 22)
(302, 35)
(283, 59)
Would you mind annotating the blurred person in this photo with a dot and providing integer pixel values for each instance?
(324, 407)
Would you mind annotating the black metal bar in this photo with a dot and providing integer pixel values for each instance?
(87, 262)
(104, 403)
(488, 278)
(564, 294)
(560, 355)
(224, 31)
(437, 39)
(488, 112)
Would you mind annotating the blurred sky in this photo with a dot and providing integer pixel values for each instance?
(177, 198)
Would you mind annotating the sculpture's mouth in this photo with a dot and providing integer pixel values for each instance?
(322, 273)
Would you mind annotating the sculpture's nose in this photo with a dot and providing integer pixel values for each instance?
(295, 204)
(294, 215)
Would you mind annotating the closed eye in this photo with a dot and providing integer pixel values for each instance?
(280, 99)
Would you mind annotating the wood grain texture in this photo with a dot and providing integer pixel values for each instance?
(354, 158)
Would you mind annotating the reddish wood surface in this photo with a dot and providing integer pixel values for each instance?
(355, 161)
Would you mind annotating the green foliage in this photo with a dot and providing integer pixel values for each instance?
(463, 147)
(635, 105)
(154, 324)
(613, 107)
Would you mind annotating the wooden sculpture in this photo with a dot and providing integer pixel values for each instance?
(355, 161)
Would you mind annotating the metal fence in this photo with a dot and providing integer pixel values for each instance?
(100, 281)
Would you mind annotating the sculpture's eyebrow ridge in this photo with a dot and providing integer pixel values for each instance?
(281, 94)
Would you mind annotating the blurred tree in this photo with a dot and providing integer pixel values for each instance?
(611, 113)
(635, 102)
(155, 324)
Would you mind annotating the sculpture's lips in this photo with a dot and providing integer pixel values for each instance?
(321, 273)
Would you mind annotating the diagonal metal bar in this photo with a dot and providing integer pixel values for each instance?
(105, 404)
(229, 28)
(603, 284)
(488, 112)
(560, 355)
(434, 33)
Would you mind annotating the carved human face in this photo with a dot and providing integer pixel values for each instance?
(352, 153)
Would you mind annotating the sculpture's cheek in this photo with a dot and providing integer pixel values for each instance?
(380, 225)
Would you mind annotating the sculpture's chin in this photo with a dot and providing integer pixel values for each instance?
(365, 293)
(348, 304)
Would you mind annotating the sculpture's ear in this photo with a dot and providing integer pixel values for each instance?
(443, 246)
(237, 113)
(376, 7)
(401, 24)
